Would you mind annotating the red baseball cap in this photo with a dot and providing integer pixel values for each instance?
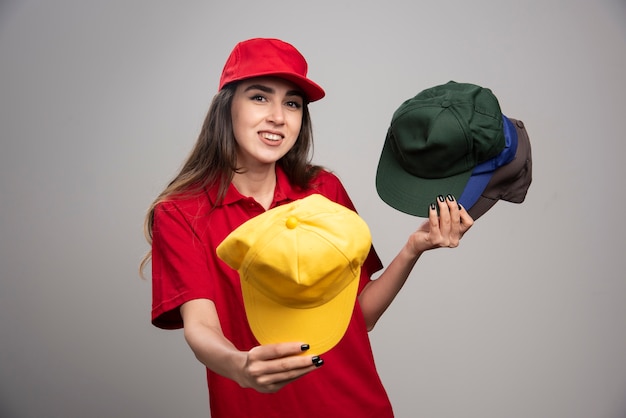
(259, 57)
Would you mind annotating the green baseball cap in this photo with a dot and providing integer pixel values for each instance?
(434, 142)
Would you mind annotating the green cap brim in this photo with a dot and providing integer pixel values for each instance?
(409, 194)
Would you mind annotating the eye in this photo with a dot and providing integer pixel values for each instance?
(258, 98)
(294, 104)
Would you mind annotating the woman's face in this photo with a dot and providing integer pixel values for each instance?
(267, 117)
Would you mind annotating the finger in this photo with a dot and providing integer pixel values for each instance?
(444, 218)
(455, 221)
(433, 219)
(455, 209)
(279, 350)
(281, 358)
(270, 383)
(466, 220)
(271, 375)
(288, 367)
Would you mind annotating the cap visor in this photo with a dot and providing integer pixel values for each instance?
(321, 327)
(474, 188)
(409, 194)
(482, 205)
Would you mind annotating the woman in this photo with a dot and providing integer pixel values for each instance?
(252, 155)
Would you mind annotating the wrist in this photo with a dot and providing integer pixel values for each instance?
(239, 363)
(410, 252)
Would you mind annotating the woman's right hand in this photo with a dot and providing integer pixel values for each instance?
(265, 368)
(268, 368)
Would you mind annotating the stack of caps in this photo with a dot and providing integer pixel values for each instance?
(453, 139)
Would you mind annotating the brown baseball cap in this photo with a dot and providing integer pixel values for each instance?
(509, 182)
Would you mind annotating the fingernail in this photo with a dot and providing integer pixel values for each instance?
(304, 347)
(441, 199)
(433, 206)
(317, 361)
(450, 198)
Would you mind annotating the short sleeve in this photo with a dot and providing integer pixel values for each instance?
(179, 265)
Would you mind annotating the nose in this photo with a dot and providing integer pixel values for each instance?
(276, 113)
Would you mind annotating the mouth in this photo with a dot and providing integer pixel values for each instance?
(271, 136)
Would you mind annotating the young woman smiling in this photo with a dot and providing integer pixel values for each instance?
(252, 155)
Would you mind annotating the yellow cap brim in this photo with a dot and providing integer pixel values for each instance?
(322, 327)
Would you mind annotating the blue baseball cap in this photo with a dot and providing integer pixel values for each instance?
(482, 173)
(511, 181)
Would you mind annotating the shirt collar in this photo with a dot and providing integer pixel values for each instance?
(284, 191)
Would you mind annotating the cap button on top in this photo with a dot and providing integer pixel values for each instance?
(445, 103)
(292, 222)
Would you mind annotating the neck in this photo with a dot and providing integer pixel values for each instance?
(259, 185)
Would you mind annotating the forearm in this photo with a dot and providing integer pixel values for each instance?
(443, 229)
(213, 350)
(377, 295)
(204, 336)
(264, 368)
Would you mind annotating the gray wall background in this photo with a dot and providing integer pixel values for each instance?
(101, 101)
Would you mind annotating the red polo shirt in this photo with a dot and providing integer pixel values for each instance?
(185, 266)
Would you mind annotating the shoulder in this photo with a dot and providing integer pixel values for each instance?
(326, 178)
(183, 206)
(186, 201)
(329, 184)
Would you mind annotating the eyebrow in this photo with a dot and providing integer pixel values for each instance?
(269, 90)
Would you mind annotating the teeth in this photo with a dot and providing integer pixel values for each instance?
(271, 137)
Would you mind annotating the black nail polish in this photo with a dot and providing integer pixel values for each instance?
(433, 206)
(304, 347)
(441, 199)
(317, 361)
(450, 198)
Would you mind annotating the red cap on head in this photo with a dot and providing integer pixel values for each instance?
(269, 57)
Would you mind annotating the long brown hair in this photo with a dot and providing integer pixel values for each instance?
(213, 159)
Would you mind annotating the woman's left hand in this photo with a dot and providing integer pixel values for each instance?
(443, 229)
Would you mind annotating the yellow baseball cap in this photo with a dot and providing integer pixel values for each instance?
(299, 266)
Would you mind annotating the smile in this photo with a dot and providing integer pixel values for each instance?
(271, 137)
